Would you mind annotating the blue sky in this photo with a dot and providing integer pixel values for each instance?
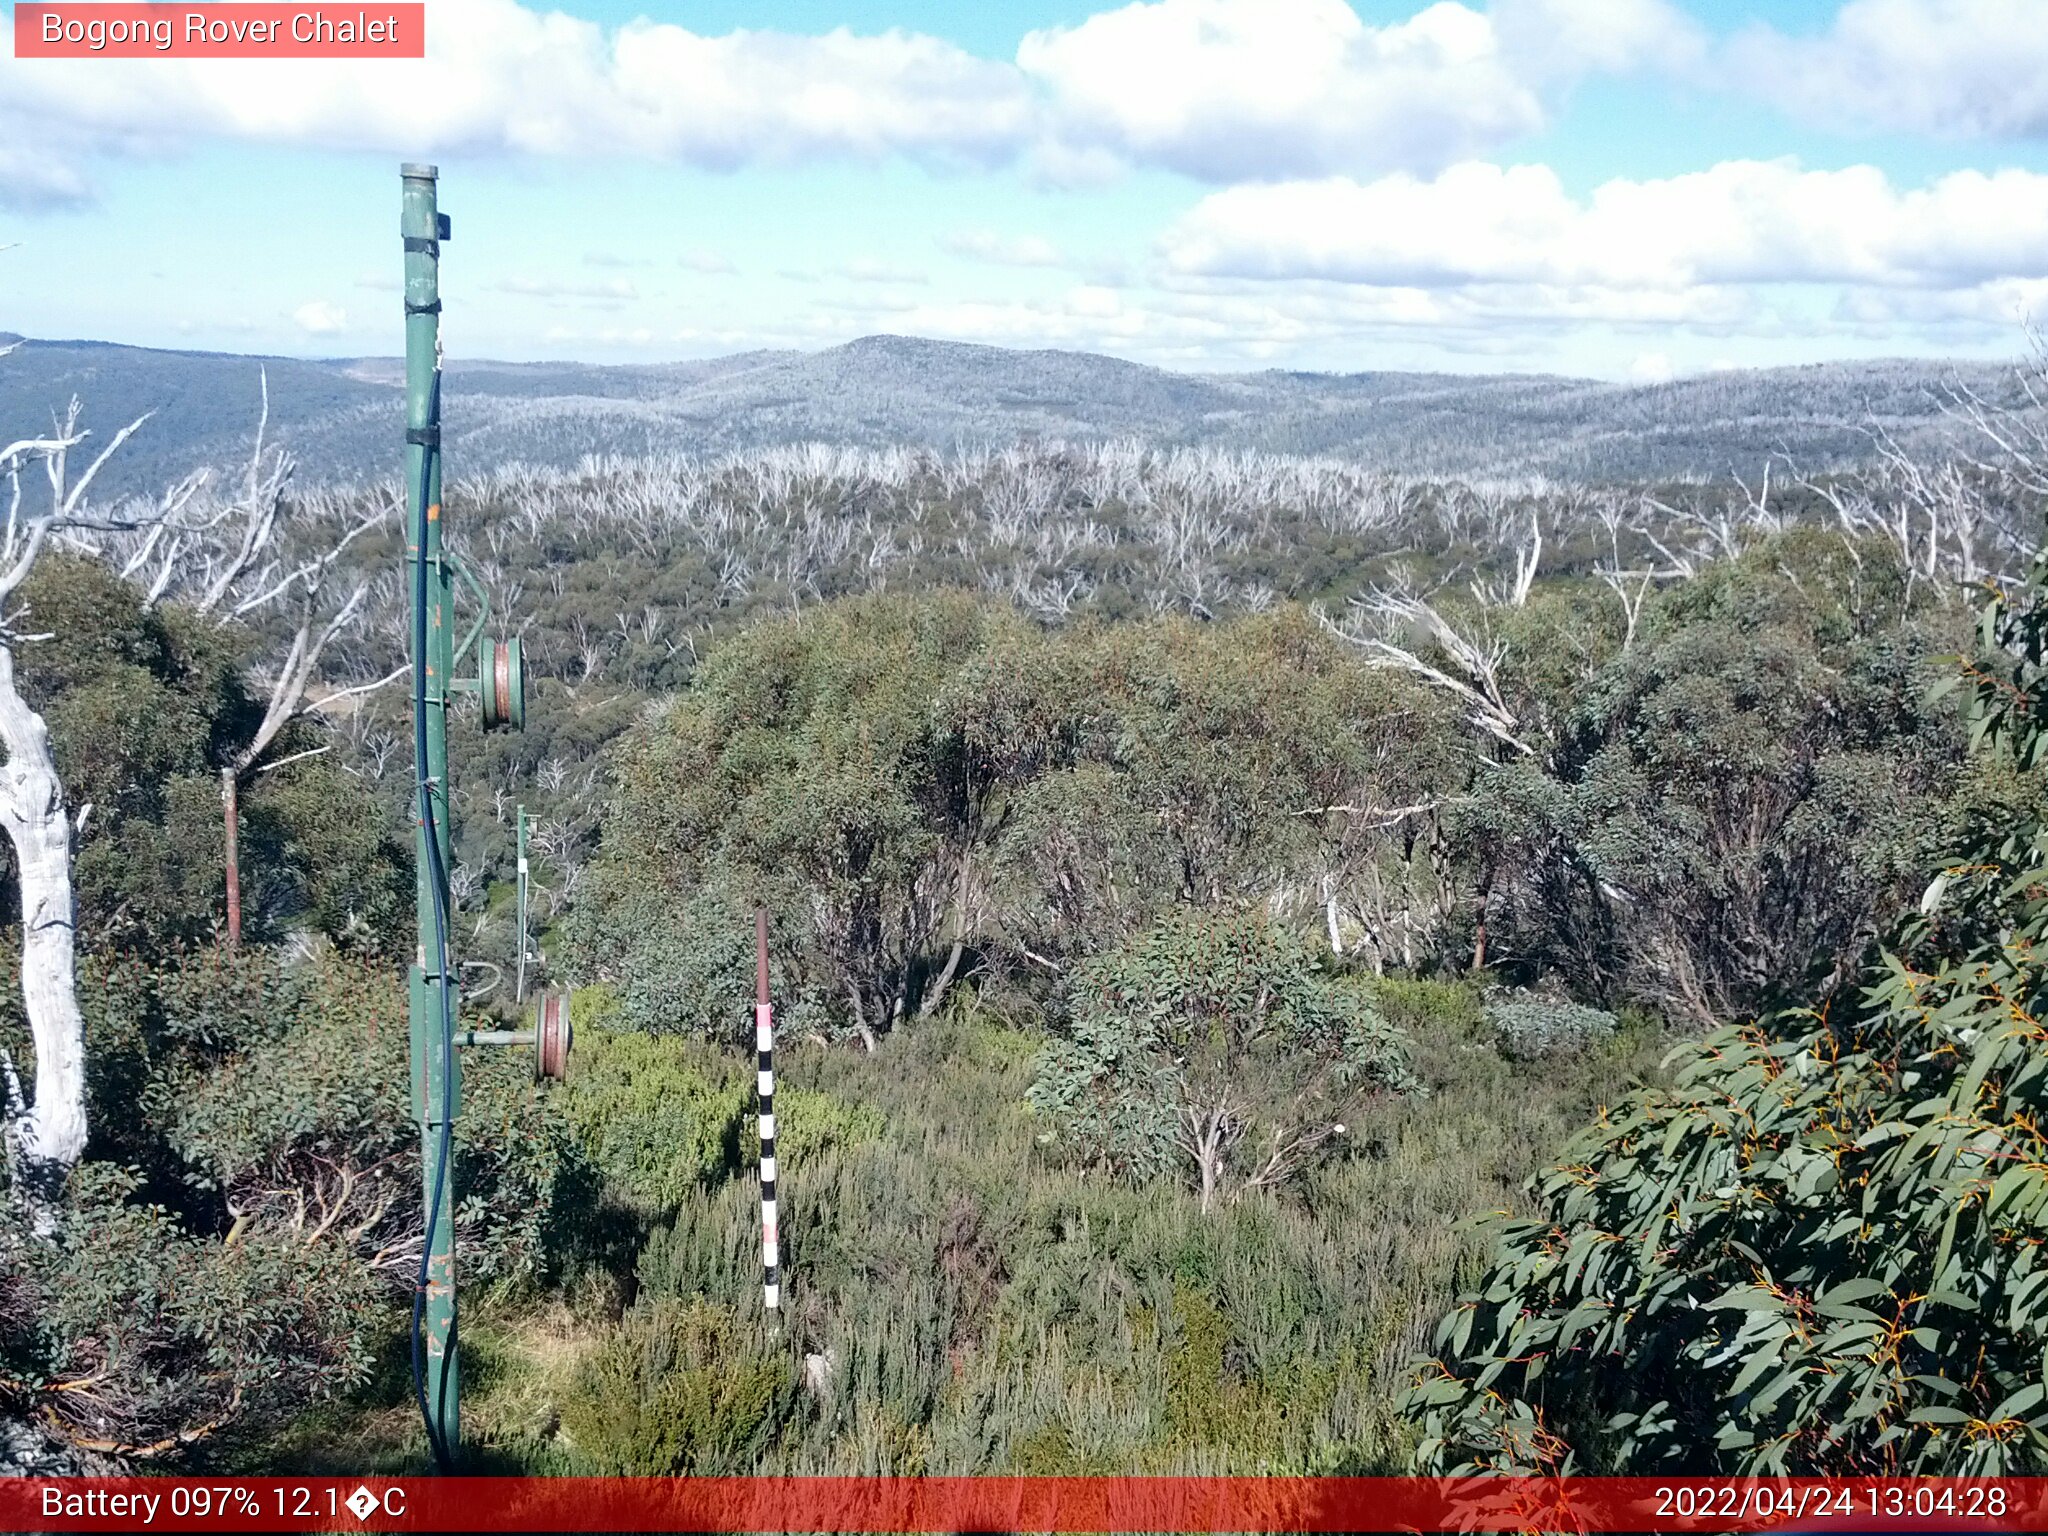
(1621, 188)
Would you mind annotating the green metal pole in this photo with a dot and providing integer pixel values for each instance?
(434, 1080)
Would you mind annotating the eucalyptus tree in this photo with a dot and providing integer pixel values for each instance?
(1819, 1248)
(1213, 1046)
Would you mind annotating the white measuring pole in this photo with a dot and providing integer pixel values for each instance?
(764, 1046)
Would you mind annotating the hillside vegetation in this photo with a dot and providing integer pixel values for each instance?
(1282, 967)
(343, 416)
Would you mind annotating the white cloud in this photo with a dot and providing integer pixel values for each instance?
(1958, 68)
(615, 290)
(1740, 222)
(708, 262)
(2000, 306)
(1566, 40)
(1021, 251)
(320, 318)
(865, 269)
(1219, 89)
(499, 77)
(1651, 368)
(1230, 90)
(36, 175)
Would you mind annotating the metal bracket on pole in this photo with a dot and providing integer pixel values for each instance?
(483, 607)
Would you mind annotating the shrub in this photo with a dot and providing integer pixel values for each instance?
(254, 1258)
(296, 1115)
(1213, 1041)
(810, 1123)
(1420, 1006)
(679, 1387)
(657, 1114)
(1529, 1028)
(132, 1334)
(669, 967)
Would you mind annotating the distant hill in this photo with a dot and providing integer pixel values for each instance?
(343, 417)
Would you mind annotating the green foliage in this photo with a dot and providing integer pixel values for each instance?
(255, 1254)
(684, 968)
(658, 1115)
(282, 1090)
(320, 854)
(1214, 1041)
(1716, 813)
(978, 1305)
(135, 1334)
(1819, 1249)
(323, 1076)
(1175, 762)
(806, 769)
(1422, 1007)
(144, 706)
(1735, 801)
(681, 1388)
(922, 787)
(1533, 1027)
(987, 1308)
(810, 1123)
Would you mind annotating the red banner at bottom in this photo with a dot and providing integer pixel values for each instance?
(1019, 1504)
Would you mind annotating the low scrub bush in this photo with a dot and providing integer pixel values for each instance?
(682, 1386)
(658, 1114)
(134, 1335)
(1531, 1028)
(254, 1250)
(1214, 1045)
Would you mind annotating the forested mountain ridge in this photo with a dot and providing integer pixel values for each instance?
(340, 417)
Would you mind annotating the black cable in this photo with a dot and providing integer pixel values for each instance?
(444, 1458)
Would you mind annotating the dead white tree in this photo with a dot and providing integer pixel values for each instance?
(1401, 629)
(232, 565)
(1632, 589)
(45, 1134)
(1514, 593)
(2013, 435)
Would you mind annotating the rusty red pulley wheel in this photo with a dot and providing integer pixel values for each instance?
(501, 684)
(551, 1036)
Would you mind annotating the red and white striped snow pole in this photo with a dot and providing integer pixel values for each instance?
(764, 1045)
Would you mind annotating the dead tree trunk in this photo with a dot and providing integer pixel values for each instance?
(46, 1137)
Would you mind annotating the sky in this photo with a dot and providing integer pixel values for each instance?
(1623, 189)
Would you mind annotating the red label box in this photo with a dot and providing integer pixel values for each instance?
(364, 29)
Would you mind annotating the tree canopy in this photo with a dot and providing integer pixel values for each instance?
(1820, 1248)
(1212, 1041)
